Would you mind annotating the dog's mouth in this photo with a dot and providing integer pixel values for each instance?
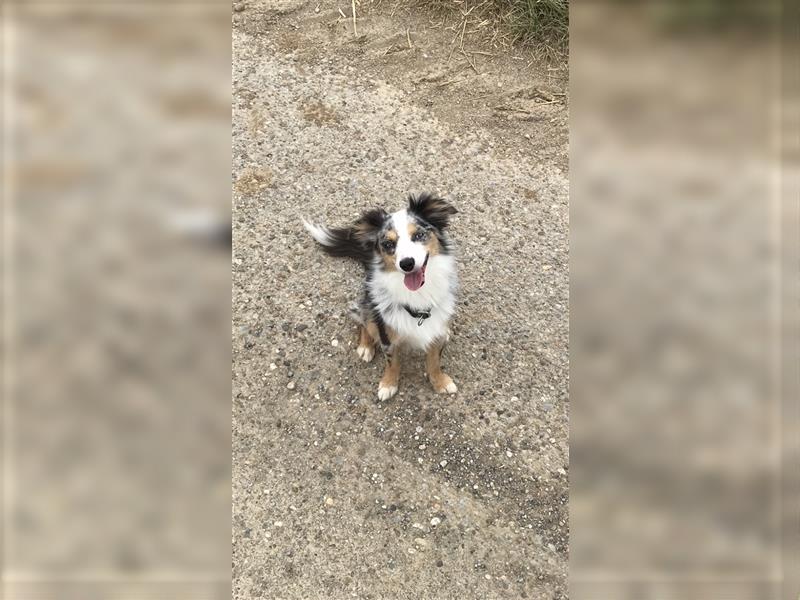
(416, 279)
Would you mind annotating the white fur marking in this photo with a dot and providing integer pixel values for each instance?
(405, 247)
(451, 388)
(437, 294)
(319, 233)
(366, 353)
(386, 392)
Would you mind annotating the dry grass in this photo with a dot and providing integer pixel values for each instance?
(538, 25)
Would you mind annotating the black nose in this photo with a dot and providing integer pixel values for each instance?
(407, 264)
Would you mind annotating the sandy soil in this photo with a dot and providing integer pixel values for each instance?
(337, 495)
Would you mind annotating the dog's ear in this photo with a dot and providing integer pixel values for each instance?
(435, 211)
(366, 229)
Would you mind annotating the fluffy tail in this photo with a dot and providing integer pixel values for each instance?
(339, 242)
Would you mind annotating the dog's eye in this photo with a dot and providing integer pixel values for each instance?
(419, 236)
(388, 246)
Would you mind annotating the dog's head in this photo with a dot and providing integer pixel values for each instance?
(406, 240)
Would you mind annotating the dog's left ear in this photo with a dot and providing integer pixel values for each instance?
(435, 211)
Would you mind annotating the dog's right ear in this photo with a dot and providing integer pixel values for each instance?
(369, 224)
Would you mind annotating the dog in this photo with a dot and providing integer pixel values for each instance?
(409, 292)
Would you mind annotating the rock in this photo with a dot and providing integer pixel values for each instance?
(290, 385)
(435, 521)
(238, 7)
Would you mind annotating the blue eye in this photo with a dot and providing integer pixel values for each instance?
(419, 236)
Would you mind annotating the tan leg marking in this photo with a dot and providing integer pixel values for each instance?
(366, 345)
(391, 376)
(441, 382)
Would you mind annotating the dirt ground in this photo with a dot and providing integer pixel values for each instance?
(338, 495)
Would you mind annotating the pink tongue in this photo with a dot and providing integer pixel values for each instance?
(415, 280)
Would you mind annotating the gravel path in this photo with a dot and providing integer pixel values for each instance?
(337, 495)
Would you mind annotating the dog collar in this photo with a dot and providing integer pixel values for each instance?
(418, 314)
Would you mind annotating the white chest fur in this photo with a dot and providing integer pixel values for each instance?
(437, 295)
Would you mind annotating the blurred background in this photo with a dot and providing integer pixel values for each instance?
(678, 433)
(116, 300)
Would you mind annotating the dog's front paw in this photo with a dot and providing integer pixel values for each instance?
(366, 353)
(386, 391)
(446, 385)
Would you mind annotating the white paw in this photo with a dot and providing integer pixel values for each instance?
(448, 388)
(386, 392)
(366, 353)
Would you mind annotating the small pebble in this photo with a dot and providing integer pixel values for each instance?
(435, 521)
(443, 463)
(290, 385)
(238, 7)
(509, 454)
(273, 366)
(334, 343)
(278, 523)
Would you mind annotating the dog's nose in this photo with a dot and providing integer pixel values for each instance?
(407, 264)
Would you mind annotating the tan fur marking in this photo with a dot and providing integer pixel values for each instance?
(364, 338)
(433, 246)
(388, 262)
(366, 345)
(372, 329)
(391, 374)
(440, 381)
(388, 259)
(362, 230)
